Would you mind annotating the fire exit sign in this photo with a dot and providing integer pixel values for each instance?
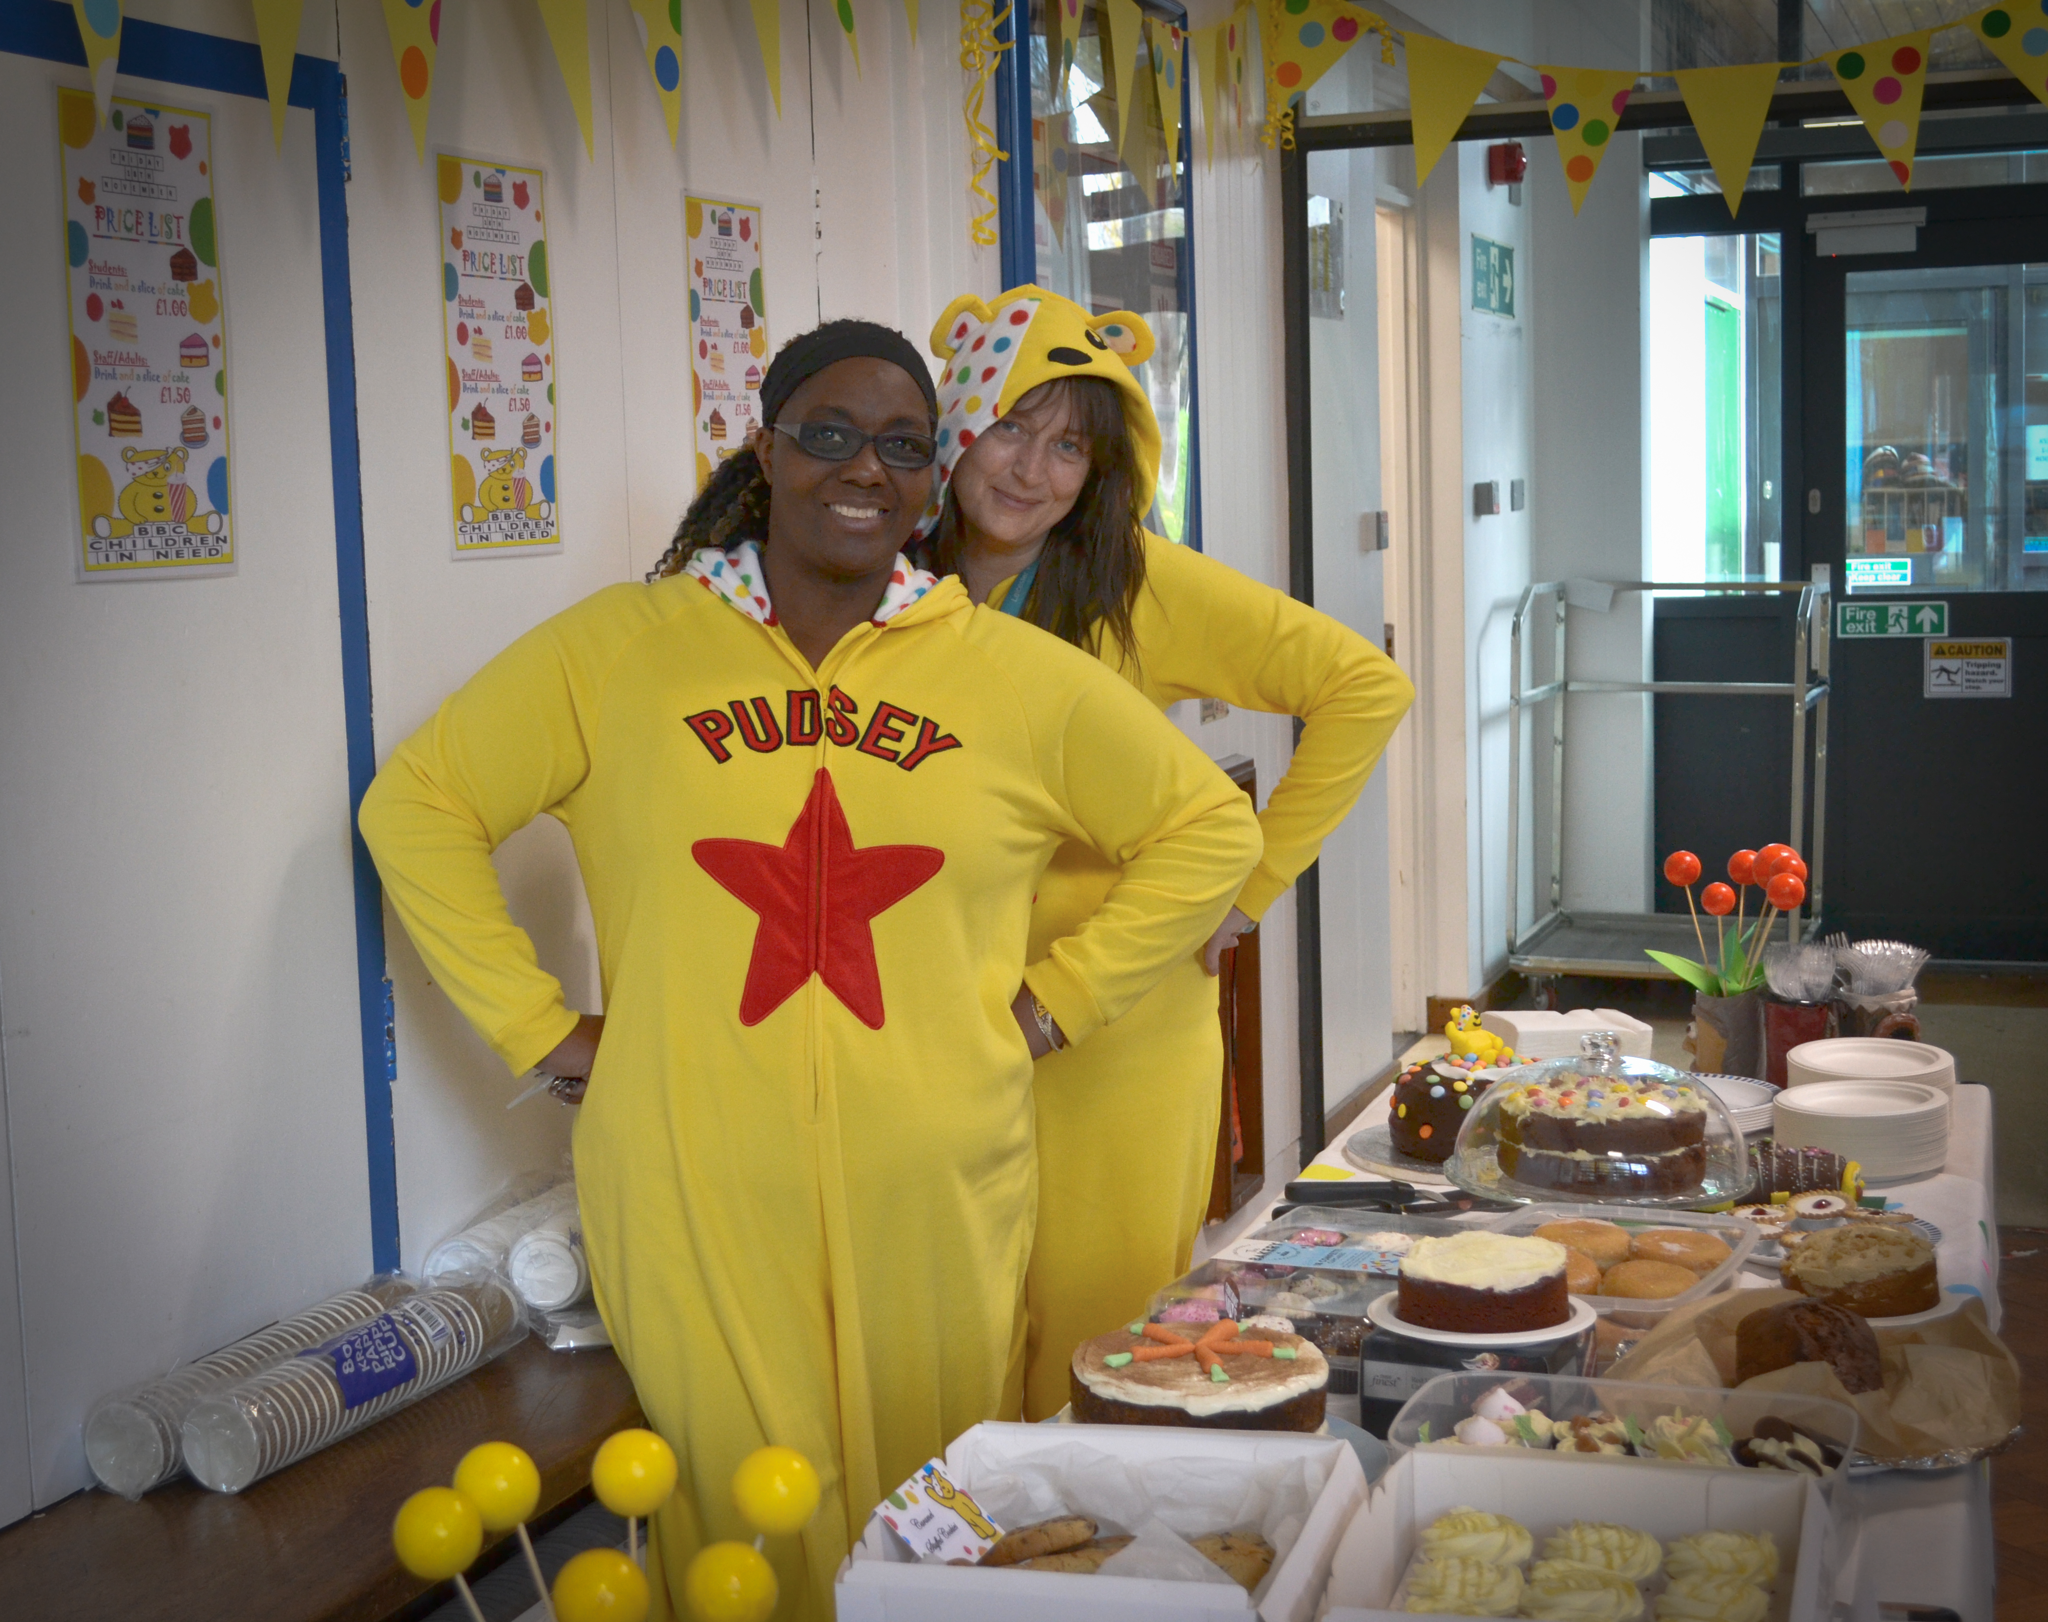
(1856, 620)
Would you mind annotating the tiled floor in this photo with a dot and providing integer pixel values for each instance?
(2019, 1477)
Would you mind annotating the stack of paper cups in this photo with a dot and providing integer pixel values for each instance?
(485, 1247)
(132, 1439)
(281, 1414)
(547, 1266)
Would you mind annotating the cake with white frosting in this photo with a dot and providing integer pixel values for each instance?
(1222, 1376)
(1599, 1134)
(1483, 1284)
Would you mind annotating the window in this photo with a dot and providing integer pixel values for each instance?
(1715, 339)
(1109, 228)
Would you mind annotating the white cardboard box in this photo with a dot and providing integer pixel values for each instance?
(879, 1582)
(1537, 1033)
(1547, 1490)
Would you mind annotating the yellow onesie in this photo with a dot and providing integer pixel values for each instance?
(806, 1158)
(1127, 1123)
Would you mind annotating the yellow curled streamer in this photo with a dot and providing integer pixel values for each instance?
(980, 51)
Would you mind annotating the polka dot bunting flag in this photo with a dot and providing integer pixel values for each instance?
(415, 27)
(2018, 36)
(1884, 81)
(1163, 42)
(99, 31)
(660, 24)
(1302, 40)
(1585, 106)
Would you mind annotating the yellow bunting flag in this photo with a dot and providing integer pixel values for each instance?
(2018, 37)
(1303, 40)
(1062, 34)
(568, 26)
(910, 11)
(99, 28)
(1205, 61)
(1052, 169)
(1237, 49)
(1728, 107)
(1126, 45)
(1165, 46)
(661, 38)
(277, 33)
(1884, 81)
(768, 30)
(1444, 80)
(415, 27)
(1585, 105)
(843, 10)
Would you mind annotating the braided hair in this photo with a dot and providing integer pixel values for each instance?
(731, 508)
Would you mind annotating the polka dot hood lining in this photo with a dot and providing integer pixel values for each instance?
(737, 576)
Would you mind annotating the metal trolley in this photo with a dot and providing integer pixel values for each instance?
(1612, 943)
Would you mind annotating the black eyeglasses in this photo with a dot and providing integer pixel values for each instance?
(840, 442)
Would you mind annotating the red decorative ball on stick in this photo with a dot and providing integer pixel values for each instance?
(1768, 855)
(1789, 863)
(1786, 891)
(1681, 867)
(1717, 900)
(1742, 867)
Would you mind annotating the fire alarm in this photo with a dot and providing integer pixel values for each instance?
(1506, 164)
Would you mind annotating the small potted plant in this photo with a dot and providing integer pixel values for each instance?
(1728, 1018)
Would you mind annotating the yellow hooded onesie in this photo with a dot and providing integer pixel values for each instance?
(805, 1160)
(1127, 1123)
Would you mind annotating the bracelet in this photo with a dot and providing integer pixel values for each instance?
(1046, 1027)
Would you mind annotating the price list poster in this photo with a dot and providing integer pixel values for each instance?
(728, 326)
(501, 358)
(148, 355)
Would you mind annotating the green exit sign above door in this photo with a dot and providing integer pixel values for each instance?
(1854, 620)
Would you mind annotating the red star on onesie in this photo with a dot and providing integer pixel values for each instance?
(815, 895)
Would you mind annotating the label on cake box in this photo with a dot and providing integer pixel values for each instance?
(728, 326)
(1285, 1253)
(369, 1361)
(937, 1520)
(497, 295)
(148, 353)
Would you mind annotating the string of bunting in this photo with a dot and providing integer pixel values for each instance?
(1300, 40)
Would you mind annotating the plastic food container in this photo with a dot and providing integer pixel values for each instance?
(1739, 1236)
(1428, 1417)
(1612, 1147)
(1318, 1267)
(1398, 1359)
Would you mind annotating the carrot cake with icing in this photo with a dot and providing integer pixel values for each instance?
(1220, 1376)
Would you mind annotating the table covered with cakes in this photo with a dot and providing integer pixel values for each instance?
(1603, 1342)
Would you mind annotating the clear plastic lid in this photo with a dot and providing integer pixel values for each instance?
(1601, 1129)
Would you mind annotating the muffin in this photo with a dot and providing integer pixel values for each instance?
(1878, 1272)
(1603, 1241)
(1648, 1280)
(1689, 1248)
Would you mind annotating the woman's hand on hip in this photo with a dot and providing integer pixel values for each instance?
(571, 1059)
(1025, 1008)
(1234, 924)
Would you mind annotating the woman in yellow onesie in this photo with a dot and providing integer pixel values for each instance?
(811, 791)
(1049, 454)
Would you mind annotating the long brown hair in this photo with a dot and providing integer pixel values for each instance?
(732, 507)
(1093, 565)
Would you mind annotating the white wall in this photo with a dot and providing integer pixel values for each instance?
(183, 1073)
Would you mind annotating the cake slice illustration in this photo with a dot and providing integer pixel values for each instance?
(123, 420)
(184, 267)
(480, 347)
(193, 353)
(522, 296)
(718, 360)
(529, 368)
(192, 426)
(141, 134)
(121, 325)
(529, 431)
(716, 424)
(494, 187)
(482, 425)
(753, 377)
(746, 316)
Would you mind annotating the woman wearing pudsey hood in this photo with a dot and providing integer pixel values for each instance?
(811, 790)
(1048, 459)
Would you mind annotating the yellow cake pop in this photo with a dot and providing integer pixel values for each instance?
(634, 1472)
(501, 1481)
(438, 1533)
(776, 1489)
(728, 1582)
(601, 1585)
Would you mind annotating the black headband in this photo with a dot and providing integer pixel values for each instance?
(809, 353)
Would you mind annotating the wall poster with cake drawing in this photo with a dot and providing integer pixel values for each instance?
(148, 352)
(501, 358)
(728, 326)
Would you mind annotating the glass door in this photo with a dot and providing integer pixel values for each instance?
(1926, 450)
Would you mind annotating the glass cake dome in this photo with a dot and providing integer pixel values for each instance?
(1601, 1129)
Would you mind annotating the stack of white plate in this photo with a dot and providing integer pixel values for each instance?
(1870, 1058)
(1897, 1130)
(1748, 1101)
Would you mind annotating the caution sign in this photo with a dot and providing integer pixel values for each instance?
(1976, 667)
